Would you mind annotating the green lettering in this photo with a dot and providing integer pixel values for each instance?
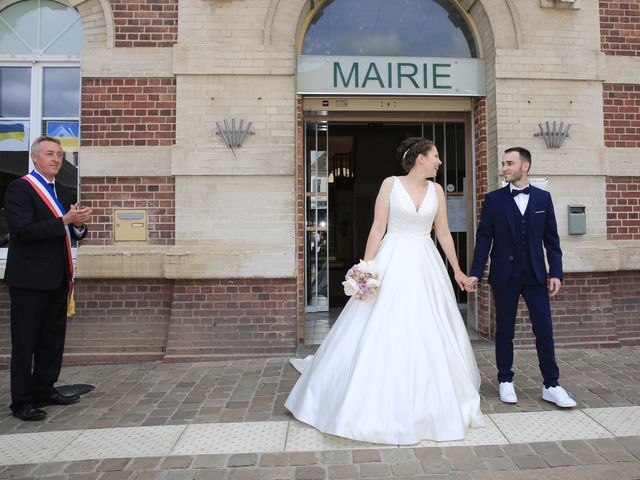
(337, 69)
(437, 75)
(370, 76)
(390, 74)
(414, 70)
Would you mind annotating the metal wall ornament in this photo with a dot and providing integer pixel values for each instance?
(553, 135)
(234, 134)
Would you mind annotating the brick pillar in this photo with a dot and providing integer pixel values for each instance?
(486, 315)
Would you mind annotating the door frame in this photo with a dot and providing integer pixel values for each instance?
(377, 110)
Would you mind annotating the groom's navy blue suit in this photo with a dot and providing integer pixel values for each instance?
(517, 268)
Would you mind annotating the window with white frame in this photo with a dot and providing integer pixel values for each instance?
(40, 48)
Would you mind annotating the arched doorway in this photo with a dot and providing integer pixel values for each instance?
(371, 74)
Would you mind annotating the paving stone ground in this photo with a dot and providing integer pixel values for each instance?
(154, 393)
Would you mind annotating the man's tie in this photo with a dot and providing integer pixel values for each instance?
(515, 192)
(53, 189)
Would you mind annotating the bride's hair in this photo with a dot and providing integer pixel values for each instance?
(409, 150)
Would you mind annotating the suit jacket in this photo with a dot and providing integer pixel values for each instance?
(37, 256)
(497, 235)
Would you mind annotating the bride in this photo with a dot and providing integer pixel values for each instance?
(398, 368)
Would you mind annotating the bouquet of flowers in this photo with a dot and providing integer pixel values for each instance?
(362, 280)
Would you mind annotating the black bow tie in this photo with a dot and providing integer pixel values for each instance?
(515, 192)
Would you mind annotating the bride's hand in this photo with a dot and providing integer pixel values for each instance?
(461, 280)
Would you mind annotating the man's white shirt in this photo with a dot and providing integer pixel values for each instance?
(522, 200)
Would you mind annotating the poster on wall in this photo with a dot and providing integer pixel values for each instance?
(14, 136)
(66, 132)
(457, 213)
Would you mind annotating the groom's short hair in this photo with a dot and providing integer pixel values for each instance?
(525, 155)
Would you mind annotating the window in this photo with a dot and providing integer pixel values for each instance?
(40, 46)
(409, 28)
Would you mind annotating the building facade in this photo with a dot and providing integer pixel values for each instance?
(213, 239)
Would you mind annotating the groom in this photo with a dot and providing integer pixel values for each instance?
(516, 221)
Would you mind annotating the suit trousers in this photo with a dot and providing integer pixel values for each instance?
(38, 327)
(536, 297)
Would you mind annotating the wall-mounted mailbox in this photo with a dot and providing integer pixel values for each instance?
(130, 225)
(577, 220)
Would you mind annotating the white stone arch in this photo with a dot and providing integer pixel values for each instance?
(97, 21)
(96, 17)
(495, 22)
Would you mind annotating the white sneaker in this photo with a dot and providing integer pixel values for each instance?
(559, 396)
(508, 393)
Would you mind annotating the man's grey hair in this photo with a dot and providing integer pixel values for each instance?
(35, 146)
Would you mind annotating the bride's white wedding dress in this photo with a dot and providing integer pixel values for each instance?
(398, 368)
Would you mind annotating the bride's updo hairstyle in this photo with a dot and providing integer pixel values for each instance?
(409, 150)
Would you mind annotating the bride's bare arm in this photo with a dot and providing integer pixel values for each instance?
(380, 217)
(445, 239)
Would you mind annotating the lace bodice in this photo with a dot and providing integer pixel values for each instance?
(403, 217)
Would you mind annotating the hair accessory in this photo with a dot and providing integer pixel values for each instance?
(407, 151)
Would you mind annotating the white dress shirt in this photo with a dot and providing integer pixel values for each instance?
(522, 200)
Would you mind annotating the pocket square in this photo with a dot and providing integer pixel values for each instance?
(541, 211)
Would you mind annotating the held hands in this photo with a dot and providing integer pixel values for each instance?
(472, 284)
(461, 279)
(78, 215)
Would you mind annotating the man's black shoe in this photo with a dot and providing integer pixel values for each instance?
(55, 398)
(29, 413)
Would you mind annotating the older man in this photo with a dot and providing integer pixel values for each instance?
(39, 273)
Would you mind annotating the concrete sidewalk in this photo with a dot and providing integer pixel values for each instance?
(226, 420)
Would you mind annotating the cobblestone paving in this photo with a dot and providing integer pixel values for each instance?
(153, 393)
(610, 459)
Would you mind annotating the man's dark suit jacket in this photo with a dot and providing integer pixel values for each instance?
(497, 234)
(37, 257)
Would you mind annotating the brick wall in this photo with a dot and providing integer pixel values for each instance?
(621, 104)
(145, 23)
(625, 303)
(619, 27)
(236, 318)
(623, 208)
(119, 320)
(156, 194)
(128, 112)
(124, 320)
(116, 321)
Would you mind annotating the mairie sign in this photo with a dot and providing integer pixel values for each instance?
(391, 75)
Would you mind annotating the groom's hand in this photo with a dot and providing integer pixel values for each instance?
(554, 286)
(472, 284)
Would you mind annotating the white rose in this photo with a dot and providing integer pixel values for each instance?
(373, 282)
(350, 287)
(367, 267)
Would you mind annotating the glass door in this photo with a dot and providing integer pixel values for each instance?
(316, 216)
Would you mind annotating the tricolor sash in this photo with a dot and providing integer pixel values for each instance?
(48, 196)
